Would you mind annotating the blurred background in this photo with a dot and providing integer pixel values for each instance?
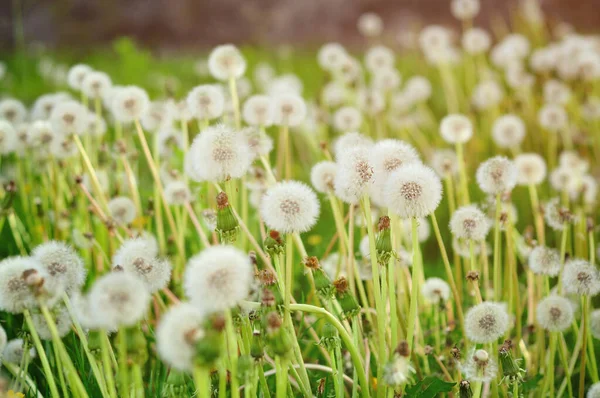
(201, 24)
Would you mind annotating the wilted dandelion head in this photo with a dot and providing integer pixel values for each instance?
(350, 141)
(554, 313)
(469, 222)
(331, 56)
(444, 162)
(16, 293)
(289, 109)
(258, 110)
(206, 102)
(379, 58)
(63, 265)
(322, 176)
(122, 210)
(497, 175)
(118, 299)
(553, 117)
(508, 131)
(177, 193)
(289, 206)
(479, 366)
(486, 322)
(218, 278)
(8, 138)
(96, 84)
(370, 24)
(219, 153)
(413, 191)
(435, 290)
(69, 117)
(531, 169)
(176, 335)
(347, 119)
(476, 41)
(226, 62)
(77, 74)
(14, 351)
(545, 261)
(129, 103)
(355, 174)
(139, 257)
(581, 278)
(456, 128)
(464, 9)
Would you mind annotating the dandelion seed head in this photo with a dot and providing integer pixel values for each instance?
(63, 148)
(15, 294)
(122, 210)
(176, 335)
(556, 92)
(444, 162)
(289, 206)
(508, 131)
(464, 10)
(497, 175)
(8, 138)
(573, 161)
(96, 84)
(487, 94)
(594, 391)
(595, 323)
(581, 278)
(260, 143)
(486, 322)
(476, 41)
(379, 58)
(413, 191)
(218, 278)
(206, 102)
(258, 111)
(435, 290)
(77, 74)
(469, 222)
(350, 141)
(418, 89)
(14, 350)
(479, 367)
(553, 117)
(554, 313)
(177, 193)
(398, 371)
(355, 174)
(555, 215)
(370, 25)
(226, 62)
(322, 176)
(289, 109)
(139, 256)
(61, 318)
(347, 119)
(370, 101)
(63, 265)
(456, 128)
(129, 103)
(531, 169)
(69, 117)
(331, 56)
(434, 38)
(545, 261)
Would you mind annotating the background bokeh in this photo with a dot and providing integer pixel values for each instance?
(200, 24)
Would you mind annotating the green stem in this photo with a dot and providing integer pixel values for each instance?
(123, 366)
(414, 292)
(202, 381)
(497, 237)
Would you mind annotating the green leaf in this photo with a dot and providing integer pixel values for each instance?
(429, 387)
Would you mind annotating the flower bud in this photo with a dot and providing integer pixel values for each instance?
(227, 223)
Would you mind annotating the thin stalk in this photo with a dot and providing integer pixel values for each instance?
(497, 238)
(106, 362)
(202, 381)
(123, 366)
(414, 291)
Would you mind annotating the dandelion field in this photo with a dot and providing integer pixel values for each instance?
(364, 222)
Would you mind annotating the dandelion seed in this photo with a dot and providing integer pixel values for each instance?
(486, 95)
(531, 169)
(444, 162)
(398, 371)
(139, 256)
(95, 84)
(258, 111)
(206, 102)
(486, 322)
(226, 62)
(122, 210)
(595, 323)
(77, 74)
(331, 56)
(289, 110)
(594, 391)
(553, 117)
(177, 193)
(354, 176)
(555, 215)
(350, 141)
(218, 278)
(129, 103)
(413, 191)
(322, 176)
(456, 129)
(418, 89)
(464, 9)
(497, 175)
(379, 58)
(289, 207)
(581, 278)
(508, 131)
(16, 294)
(554, 313)
(62, 321)
(64, 267)
(469, 222)
(69, 117)
(544, 261)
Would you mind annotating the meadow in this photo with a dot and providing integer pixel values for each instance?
(364, 221)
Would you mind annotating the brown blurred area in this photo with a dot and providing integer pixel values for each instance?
(182, 24)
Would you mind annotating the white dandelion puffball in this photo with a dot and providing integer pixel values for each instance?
(508, 131)
(398, 371)
(544, 261)
(581, 278)
(8, 138)
(476, 41)
(469, 222)
(206, 102)
(69, 117)
(413, 191)
(63, 265)
(177, 193)
(435, 290)
(289, 109)
(176, 335)
(322, 176)
(556, 215)
(444, 162)
(379, 58)
(594, 391)
(554, 313)
(118, 299)
(41, 134)
(13, 352)
(595, 323)
(169, 139)
(487, 94)
(347, 119)
(218, 278)
(258, 111)
(456, 128)
(556, 92)
(157, 116)
(122, 210)
(226, 62)
(76, 75)
(259, 142)
(15, 295)
(96, 84)
(531, 169)
(63, 148)
(370, 25)
(331, 56)
(497, 175)
(464, 9)
(553, 117)
(355, 175)
(418, 89)
(479, 367)
(138, 256)
(289, 206)
(371, 101)
(350, 141)
(334, 94)
(129, 103)
(219, 153)
(61, 318)
(486, 322)
(13, 111)
(573, 161)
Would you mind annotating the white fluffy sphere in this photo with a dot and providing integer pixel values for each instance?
(289, 206)
(226, 62)
(413, 191)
